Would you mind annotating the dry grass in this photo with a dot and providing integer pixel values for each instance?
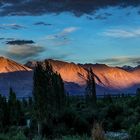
(98, 132)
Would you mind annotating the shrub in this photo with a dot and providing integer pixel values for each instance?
(135, 132)
(98, 132)
(4, 137)
(38, 138)
(75, 138)
(19, 136)
(80, 125)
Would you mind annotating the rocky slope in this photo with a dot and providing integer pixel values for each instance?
(15, 75)
(7, 65)
(110, 80)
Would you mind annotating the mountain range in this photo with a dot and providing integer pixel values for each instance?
(109, 80)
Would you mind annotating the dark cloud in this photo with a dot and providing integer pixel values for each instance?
(107, 14)
(16, 26)
(78, 7)
(101, 17)
(89, 17)
(138, 62)
(1, 38)
(23, 52)
(42, 23)
(127, 14)
(20, 42)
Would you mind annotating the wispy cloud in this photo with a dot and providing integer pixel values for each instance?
(122, 33)
(63, 33)
(59, 56)
(120, 61)
(11, 26)
(42, 23)
(61, 38)
(101, 17)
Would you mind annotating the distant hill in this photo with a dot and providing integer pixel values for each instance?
(15, 75)
(7, 65)
(109, 80)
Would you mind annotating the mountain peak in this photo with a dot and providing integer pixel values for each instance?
(7, 65)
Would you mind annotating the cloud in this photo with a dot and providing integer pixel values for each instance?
(11, 26)
(77, 7)
(122, 33)
(63, 56)
(108, 14)
(61, 38)
(101, 17)
(138, 62)
(23, 52)
(20, 42)
(120, 61)
(2, 38)
(63, 33)
(42, 23)
(69, 30)
(89, 18)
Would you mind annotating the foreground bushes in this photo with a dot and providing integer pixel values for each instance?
(98, 132)
(135, 132)
(19, 136)
(77, 118)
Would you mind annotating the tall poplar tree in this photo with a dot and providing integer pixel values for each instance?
(48, 92)
(91, 88)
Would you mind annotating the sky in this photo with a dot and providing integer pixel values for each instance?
(91, 31)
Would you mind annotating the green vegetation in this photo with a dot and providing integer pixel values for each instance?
(90, 93)
(52, 114)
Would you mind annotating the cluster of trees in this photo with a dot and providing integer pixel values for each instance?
(55, 112)
(12, 111)
(50, 110)
(48, 94)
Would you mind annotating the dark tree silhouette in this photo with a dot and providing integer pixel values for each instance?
(91, 88)
(48, 92)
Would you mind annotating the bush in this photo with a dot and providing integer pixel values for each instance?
(80, 125)
(98, 132)
(38, 138)
(4, 137)
(19, 136)
(135, 132)
(75, 138)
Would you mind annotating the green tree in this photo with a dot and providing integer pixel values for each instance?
(4, 113)
(59, 92)
(48, 92)
(12, 102)
(91, 88)
(138, 92)
(135, 132)
(15, 110)
(39, 94)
